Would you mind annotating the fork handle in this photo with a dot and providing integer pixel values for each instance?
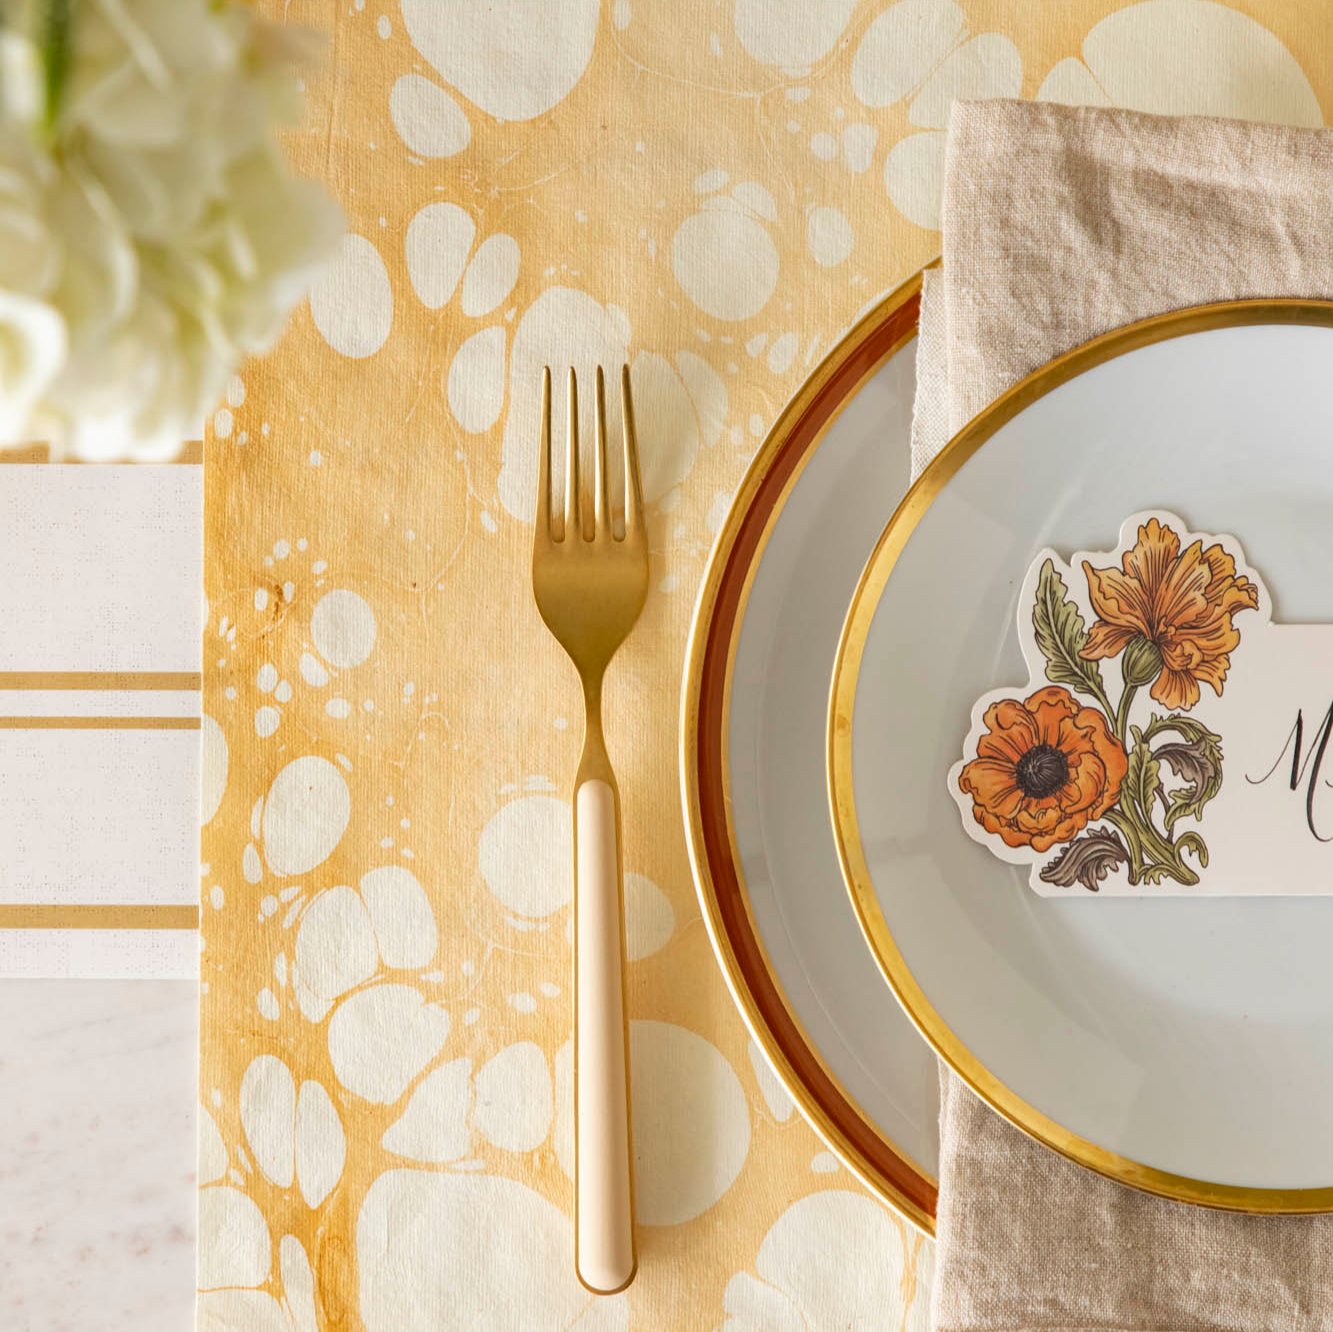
(604, 1240)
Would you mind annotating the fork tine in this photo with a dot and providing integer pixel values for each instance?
(573, 493)
(633, 485)
(543, 524)
(601, 505)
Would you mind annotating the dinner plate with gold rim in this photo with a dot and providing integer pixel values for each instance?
(1179, 1043)
(755, 692)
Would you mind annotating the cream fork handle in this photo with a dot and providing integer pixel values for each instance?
(604, 1242)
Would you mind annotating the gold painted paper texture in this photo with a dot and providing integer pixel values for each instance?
(711, 192)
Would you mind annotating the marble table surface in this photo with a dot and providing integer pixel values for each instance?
(97, 1155)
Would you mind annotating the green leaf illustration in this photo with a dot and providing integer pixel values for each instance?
(1197, 760)
(1087, 860)
(1061, 635)
(1143, 776)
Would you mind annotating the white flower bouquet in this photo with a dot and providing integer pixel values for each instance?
(151, 234)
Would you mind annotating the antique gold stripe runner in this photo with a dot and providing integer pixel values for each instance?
(113, 916)
(191, 453)
(99, 723)
(101, 693)
(191, 680)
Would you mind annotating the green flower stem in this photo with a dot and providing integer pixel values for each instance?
(1165, 853)
(1095, 688)
(1122, 713)
(1152, 855)
(1128, 828)
(54, 44)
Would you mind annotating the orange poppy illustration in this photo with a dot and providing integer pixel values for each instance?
(1045, 768)
(1170, 612)
(1076, 766)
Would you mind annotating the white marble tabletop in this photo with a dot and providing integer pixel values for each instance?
(97, 1155)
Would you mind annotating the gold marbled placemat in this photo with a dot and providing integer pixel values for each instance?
(711, 191)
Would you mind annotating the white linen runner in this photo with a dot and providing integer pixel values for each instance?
(100, 626)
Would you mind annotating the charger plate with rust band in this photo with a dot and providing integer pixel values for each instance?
(1176, 1040)
(754, 698)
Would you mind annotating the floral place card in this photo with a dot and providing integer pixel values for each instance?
(1170, 739)
(100, 719)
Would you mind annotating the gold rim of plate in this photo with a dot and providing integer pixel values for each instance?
(842, 698)
(904, 1185)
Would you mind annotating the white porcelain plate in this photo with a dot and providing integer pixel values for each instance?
(1183, 1045)
(755, 700)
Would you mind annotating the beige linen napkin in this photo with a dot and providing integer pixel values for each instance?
(1061, 223)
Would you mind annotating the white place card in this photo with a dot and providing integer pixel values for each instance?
(1171, 737)
(100, 612)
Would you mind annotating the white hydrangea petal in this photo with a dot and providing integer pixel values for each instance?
(183, 239)
(33, 343)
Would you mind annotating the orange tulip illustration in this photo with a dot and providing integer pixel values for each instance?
(1170, 612)
(1045, 768)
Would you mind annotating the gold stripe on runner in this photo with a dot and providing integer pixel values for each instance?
(191, 452)
(114, 916)
(99, 723)
(161, 680)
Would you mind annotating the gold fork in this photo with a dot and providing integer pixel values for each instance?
(590, 586)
